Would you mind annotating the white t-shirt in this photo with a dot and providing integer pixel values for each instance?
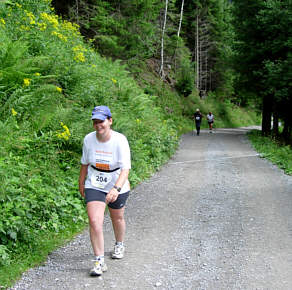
(210, 118)
(109, 155)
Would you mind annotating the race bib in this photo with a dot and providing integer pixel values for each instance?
(101, 179)
(198, 118)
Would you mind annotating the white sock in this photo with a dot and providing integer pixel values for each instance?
(100, 258)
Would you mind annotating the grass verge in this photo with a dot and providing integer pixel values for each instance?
(28, 258)
(269, 148)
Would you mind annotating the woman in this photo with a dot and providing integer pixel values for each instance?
(103, 180)
(210, 118)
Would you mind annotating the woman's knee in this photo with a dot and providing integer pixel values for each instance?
(96, 223)
(117, 215)
(95, 211)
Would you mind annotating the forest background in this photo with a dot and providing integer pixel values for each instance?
(153, 63)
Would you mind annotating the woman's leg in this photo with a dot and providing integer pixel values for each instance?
(95, 211)
(119, 224)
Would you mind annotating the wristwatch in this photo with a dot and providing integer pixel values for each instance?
(117, 188)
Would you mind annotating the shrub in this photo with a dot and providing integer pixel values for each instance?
(50, 80)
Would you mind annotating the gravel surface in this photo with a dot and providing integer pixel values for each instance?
(216, 216)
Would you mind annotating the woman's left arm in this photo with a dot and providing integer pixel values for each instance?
(123, 177)
(113, 193)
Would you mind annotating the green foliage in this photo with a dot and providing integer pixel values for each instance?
(263, 56)
(185, 83)
(50, 80)
(4, 256)
(38, 194)
(215, 39)
(119, 29)
(27, 258)
(185, 75)
(271, 149)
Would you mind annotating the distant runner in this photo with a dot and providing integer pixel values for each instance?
(198, 118)
(210, 118)
(103, 180)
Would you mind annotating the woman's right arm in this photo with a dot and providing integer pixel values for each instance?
(82, 177)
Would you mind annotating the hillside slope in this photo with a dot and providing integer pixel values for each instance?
(50, 81)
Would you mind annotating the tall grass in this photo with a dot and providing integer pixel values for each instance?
(269, 148)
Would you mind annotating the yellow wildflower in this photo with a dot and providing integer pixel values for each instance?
(13, 112)
(71, 27)
(65, 134)
(30, 16)
(114, 80)
(59, 89)
(52, 19)
(42, 26)
(61, 36)
(26, 82)
(2, 21)
(79, 57)
(23, 27)
(79, 48)
(37, 74)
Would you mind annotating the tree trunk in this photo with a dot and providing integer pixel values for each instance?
(197, 52)
(287, 130)
(267, 115)
(161, 72)
(178, 32)
(181, 16)
(77, 12)
(275, 123)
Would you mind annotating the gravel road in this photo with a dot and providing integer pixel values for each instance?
(216, 216)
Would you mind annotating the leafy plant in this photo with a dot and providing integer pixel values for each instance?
(50, 80)
(185, 72)
(271, 149)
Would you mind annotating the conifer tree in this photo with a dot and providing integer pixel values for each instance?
(264, 40)
(207, 32)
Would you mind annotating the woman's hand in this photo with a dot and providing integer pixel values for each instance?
(111, 196)
(81, 190)
(82, 177)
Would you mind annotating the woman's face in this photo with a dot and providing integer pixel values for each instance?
(102, 127)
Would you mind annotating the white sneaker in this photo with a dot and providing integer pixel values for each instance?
(98, 269)
(118, 252)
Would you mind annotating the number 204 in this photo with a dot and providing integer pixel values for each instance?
(101, 179)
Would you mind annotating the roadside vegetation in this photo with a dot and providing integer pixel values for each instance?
(50, 79)
(273, 150)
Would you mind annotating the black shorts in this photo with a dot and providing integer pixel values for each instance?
(97, 195)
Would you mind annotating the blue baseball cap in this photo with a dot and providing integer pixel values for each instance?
(101, 113)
